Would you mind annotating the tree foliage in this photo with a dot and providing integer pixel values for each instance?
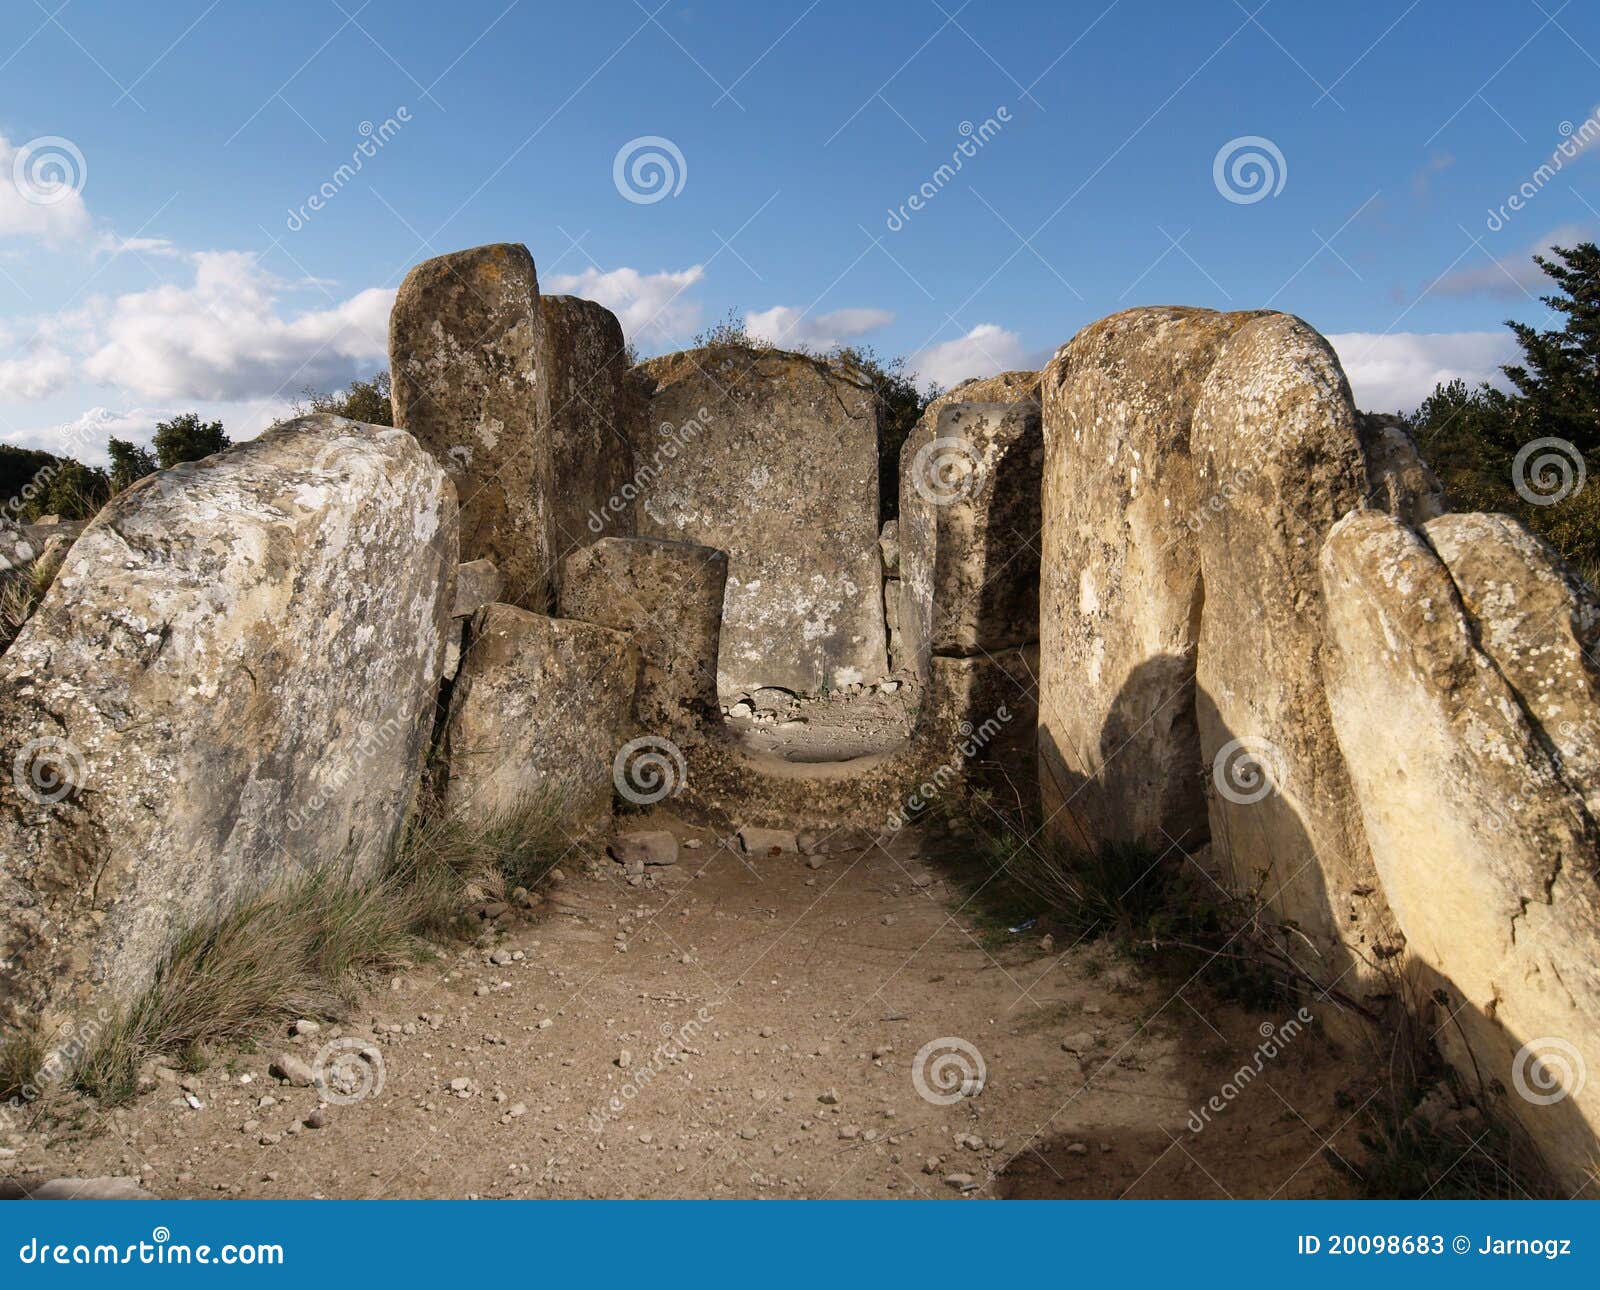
(1472, 437)
(188, 438)
(367, 401)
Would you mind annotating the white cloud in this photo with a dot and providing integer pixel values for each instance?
(786, 327)
(40, 199)
(1512, 275)
(651, 307)
(1395, 372)
(37, 372)
(222, 337)
(986, 350)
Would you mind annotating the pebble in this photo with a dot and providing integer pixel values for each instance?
(829, 1098)
(1081, 1042)
(305, 1026)
(317, 1119)
(624, 1059)
(1077, 1148)
(286, 1066)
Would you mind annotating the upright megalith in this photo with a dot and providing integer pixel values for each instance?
(666, 597)
(1274, 424)
(467, 362)
(1466, 713)
(231, 682)
(773, 458)
(593, 406)
(539, 712)
(958, 476)
(1120, 591)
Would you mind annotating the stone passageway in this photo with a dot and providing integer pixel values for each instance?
(747, 1025)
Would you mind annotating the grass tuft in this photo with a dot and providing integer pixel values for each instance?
(307, 947)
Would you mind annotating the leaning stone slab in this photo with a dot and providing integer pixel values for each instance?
(773, 458)
(478, 583)
(667, 598)
(1275, 422)
(593, 407)
(1120, 584)
(540, 708)
(231, 681)
(1446, 688)
(998, 464)
(466, 355)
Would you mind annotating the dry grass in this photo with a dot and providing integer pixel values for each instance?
(20, 594)
(307, 947)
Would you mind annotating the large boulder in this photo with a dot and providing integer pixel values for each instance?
(773, 458)
(467, 361)
(539, 711)
(231, 680)
(593, 405)
(1466, 713)
(1120, 591)
(975, 464)
(976, 578)
(666, 597)
(1274, 425)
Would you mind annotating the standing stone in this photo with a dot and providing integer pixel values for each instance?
(231, 681)
(1448, 681)
(666, 597)
(539, 711)
(466, 356)
(592, 408)
(1275, 424)
(1120, 588)
(1399, 481)
(773, 458)
(1540, 623)
(934, 476)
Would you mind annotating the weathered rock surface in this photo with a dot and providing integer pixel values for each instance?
(975, 468)
(1276, 423)
(1120, 584)
(540, 709)
(644, 847)
(593, 410)
(1540, 624)
(773, 458)
(667, 598)
(1445, 711)
(467, 360)
(1398, 480)
(977, 487)
(478, 583)
(231, 678)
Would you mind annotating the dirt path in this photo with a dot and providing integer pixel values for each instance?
(771, 1013)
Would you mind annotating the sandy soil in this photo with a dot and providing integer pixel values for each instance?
(771, 1014)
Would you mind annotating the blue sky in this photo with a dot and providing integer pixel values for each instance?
(158, 252)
